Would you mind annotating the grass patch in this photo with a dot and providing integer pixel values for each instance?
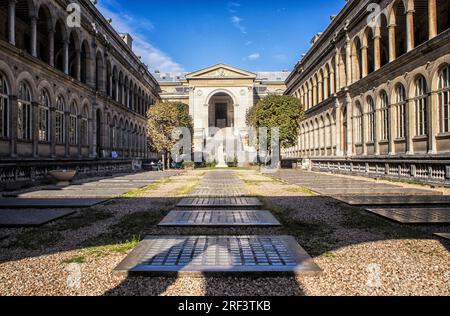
(186, 189)
(405, 181)
(255, 182)
(76, 259)
(141, 191)
(302, 190)
(118, 248)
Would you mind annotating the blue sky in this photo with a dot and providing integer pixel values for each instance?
(181, 35)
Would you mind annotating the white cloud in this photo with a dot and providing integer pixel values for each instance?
(125, 23)
(237, 22)
(248, 43)
(254, 56)
(233, 6)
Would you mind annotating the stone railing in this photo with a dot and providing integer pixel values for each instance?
(424, 170)
(33, 172)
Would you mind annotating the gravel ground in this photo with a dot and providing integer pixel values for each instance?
(360, 254)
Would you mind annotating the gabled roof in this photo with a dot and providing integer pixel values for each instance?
(221, 71)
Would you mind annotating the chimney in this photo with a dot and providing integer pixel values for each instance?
(127, 39)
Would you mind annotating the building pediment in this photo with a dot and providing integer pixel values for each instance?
(221, 71)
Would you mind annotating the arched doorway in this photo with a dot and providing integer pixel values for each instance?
(221, 110)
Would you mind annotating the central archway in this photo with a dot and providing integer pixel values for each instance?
(221, 110)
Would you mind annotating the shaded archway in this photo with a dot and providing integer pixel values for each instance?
(43, 34)
(443, 15)
(399, 20)
(23, 27)
(59, 45)
(221, 110)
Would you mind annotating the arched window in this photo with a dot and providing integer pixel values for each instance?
(444, 99)
(384, 111)
(370, 120)
(73, 121)
(84, 127)
(400, 105)
(358, 124)
(421, 102)
(24, 113)
(44, 117)
(59, 121)
(4, 108)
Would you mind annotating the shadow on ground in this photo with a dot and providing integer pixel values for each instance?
(320, 224)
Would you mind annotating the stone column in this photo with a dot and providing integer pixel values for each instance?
(33, 38)
(12, 21)
(392, 43)
(410, 30)
(320, 93)
(377, 48)
(364, 62)
(51, 48)
(433, 123)
(78, 61)
(13, 126)
(338, 130)
(432, 19)
(52, 132)
(35, 127)
(338, 78)
(349, 106)
(314, 94)
(66, 57)
(410, 128)
(348, 61)
(392, 129)
(332, 82)
(92, 138)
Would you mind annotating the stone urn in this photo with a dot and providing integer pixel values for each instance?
(63, 177)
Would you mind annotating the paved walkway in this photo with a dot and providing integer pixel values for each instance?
(218, 201)
(391, 201)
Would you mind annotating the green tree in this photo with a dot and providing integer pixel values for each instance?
(284, 112)
(163, 118)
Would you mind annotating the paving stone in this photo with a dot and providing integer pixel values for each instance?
(373, 191)
(30, 218)
(219, 202)
(18, 203)
(395, 200)
(217, 193)
(443, 235)
(413, 215)
(220, 218)
(223, 255)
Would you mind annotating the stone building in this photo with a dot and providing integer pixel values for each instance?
(219, 96)
(375, 86)
(69, 95)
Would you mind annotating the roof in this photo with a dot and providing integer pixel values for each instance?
(178, 77)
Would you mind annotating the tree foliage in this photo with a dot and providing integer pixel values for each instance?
(284, 112)
(163, 118)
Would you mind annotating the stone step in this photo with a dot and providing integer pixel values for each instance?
(197, 256)
(220, 218)
(30, 218)
(219, 202)
(414, 215)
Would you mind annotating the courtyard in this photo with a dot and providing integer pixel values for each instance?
(353, 251)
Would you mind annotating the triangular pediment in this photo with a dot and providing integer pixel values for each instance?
(221, 71)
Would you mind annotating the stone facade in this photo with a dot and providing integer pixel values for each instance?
(219, 96)
(375, 88)
(72, 93)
